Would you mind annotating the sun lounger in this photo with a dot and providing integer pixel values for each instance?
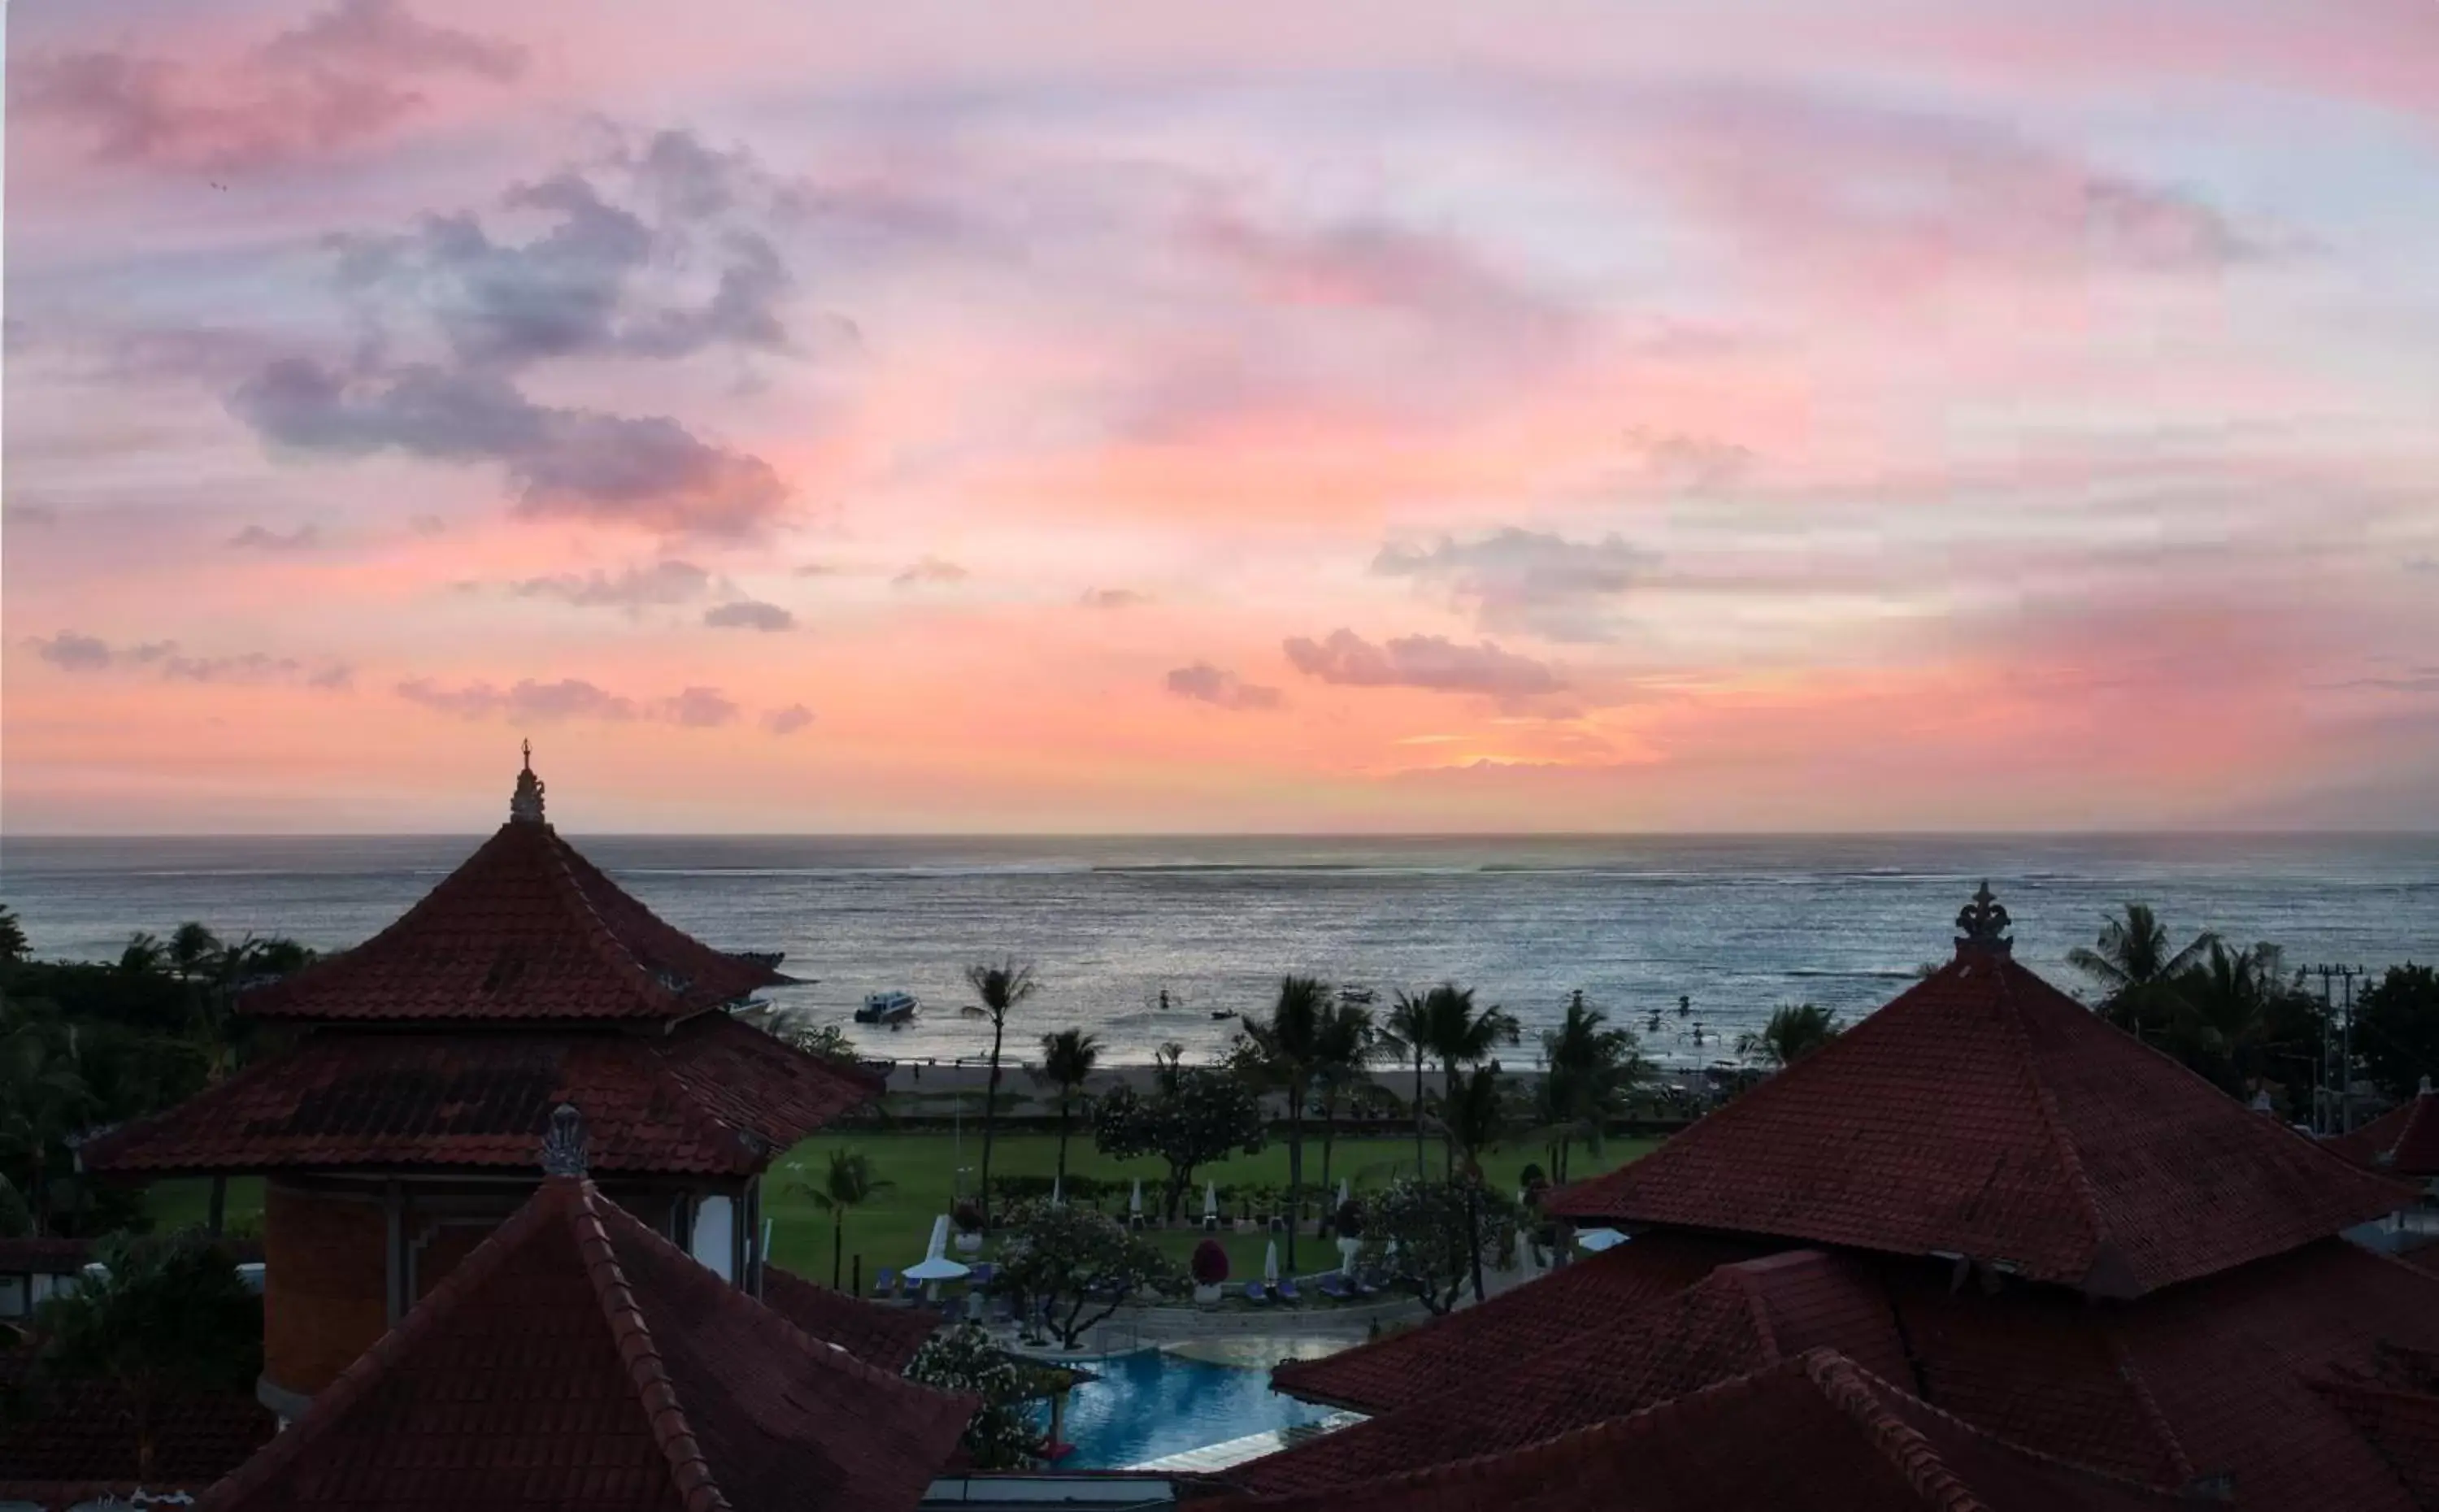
(1336, 1289)
(1255, 1293)
(1288, 1290)
(884, 1282)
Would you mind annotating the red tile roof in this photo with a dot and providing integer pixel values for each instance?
(1741, 1318)
(1569, 1305)
(2217, 1377)
(1813, 1431)
(82, 1431)
(524, 929)
(2402, 1425)
(2403, 1141)
(882, 1336)
(713, 1095)
(1985, 1113)
(577, 1358)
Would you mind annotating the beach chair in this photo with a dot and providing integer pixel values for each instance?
(1334, 1286)
(1256, 1293)
(1288, 1290)
(884, 1283)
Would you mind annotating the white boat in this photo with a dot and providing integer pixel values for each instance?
(887, 1008)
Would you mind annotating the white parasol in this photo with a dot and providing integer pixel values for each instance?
(1135, 1202)
(1058, 1192)
(1598, 1240)
(1270, 1263)
(935, 1265)
(1210, 1203)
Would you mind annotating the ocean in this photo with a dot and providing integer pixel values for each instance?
(1734, 925)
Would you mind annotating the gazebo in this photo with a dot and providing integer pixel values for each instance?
(398, 1132)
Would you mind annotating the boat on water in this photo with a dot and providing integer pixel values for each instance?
(1223, 1013)
(887, 1008)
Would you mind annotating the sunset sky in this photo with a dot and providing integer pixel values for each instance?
(1421, 415)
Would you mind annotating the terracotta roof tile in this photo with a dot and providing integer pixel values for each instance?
(577, 1358)
(80, 1431)
(2402, 1425)
(1985, 1113)
(1814, 1431)
(1729, 1323)
(882, 1336)
(1568, 1305)
(713, 1095)
(2403, 1141)
(524, 929)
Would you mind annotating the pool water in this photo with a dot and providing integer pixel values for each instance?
(1155, 1403)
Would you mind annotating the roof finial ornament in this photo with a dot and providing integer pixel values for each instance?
(563, 1151)
(1983, 923)
(525, 807)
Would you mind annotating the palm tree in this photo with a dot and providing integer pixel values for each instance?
(1590, 1065)
(2134, 967)
(193, 947)
(1283, 1052)
(848, 1185)
(1458, 1035)
(1343, 1047)
(1001, 986)
(1474, 1117)
(144, 955)
(1408, 1034)
(1067, 1059)
(1794, 1031)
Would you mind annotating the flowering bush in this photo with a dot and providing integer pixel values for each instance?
(1001, 1436)
(1210, 1264)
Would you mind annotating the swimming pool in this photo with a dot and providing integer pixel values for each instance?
(1157, 1403)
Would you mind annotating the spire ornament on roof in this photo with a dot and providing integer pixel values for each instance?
(525, 807)
(563, 1149)
(1981, 924)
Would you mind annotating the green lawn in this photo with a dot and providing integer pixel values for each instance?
(892, 1229)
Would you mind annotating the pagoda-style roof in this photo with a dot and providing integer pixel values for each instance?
(710, 1095)
(2300, 1381)
(2403, 1141)
(1986, 1115)
(577, 1358)
(1815, 1430)
(526, 929)
(1569, 1305)
(882, 1336)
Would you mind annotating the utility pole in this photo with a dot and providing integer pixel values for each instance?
(2346, 1048)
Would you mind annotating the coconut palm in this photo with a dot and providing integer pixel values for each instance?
(1282, 1053)
(846, 1185)
(2135, 969)
(1345, 1045)
(192, 949)
(1407, 1033)
(1459, 1035)
(1067, 1059)
(1475, 1116)
(1001, 986)
(1589, 1067)
(145, 956)
(1794, 1030)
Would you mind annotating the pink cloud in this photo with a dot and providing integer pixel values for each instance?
(344, 76)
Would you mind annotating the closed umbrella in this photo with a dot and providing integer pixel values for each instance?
(1134, 1203)
(1058, 1191)
(1210, 1206)
(1345, 1191)
(1270, 1263)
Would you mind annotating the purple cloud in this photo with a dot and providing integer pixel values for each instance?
(1432, 661)
(930, 570)
(72, 653)
(748, 614)
(788, 721)
(1521, 581)
(256, 537)
(1206, 683)
(637, 588)
(342, 78)
(570, 698)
